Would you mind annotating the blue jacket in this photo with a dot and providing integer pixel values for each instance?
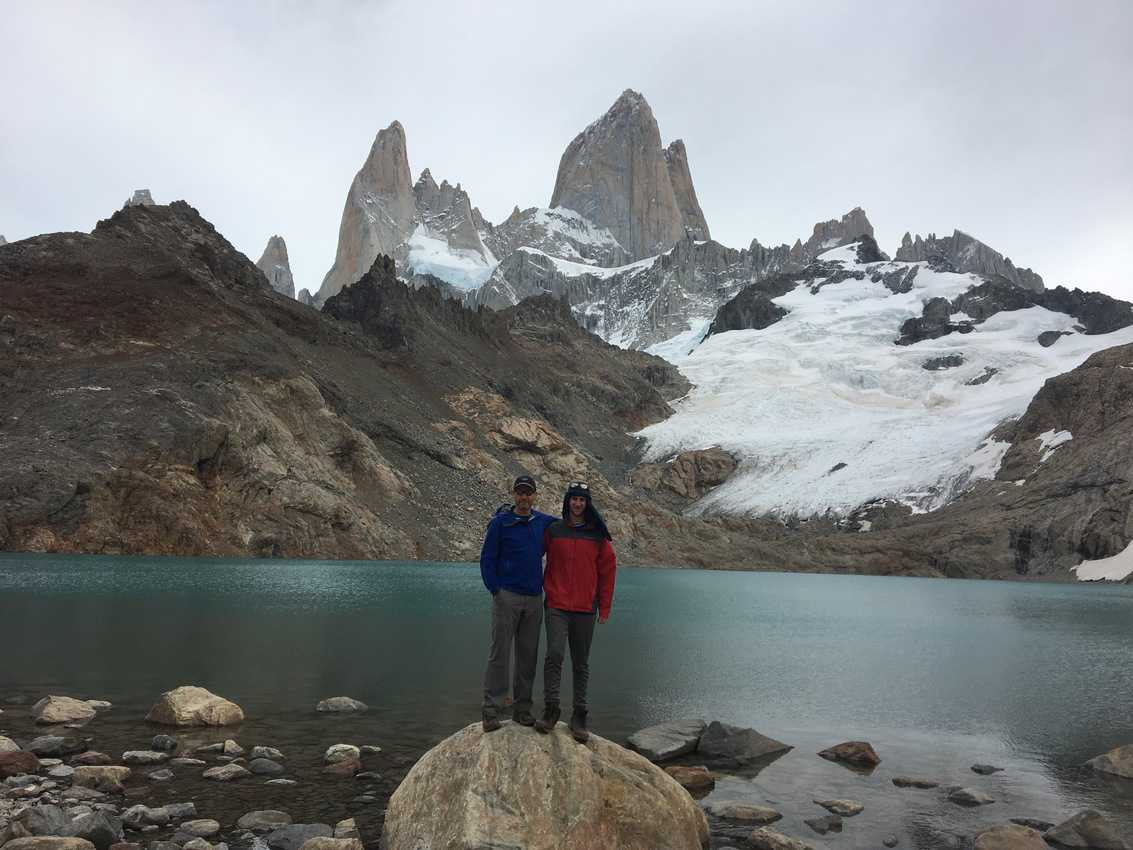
(512, 555)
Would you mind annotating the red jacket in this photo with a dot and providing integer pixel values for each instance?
(580, 569)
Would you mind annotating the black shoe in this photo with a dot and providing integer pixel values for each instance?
(490, 722)
(550, 717)
(524, 718)
(578, 726)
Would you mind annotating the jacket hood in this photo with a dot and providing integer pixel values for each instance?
(593, 517)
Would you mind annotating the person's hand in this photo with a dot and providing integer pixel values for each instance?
(602, 620)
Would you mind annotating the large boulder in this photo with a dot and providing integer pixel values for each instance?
(48, 843)
(1087, 830)
(1118, 761)
(724, 742)
(53, 709)
(16, 762)
(859, 753)
(105, 778)
(7, 745)
(192, 706)
(1010, 836)
(667, 740)
(537, 792)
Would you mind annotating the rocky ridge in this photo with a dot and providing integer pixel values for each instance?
(275, 265)
(963, 253)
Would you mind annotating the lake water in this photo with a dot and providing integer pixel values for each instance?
(938, 675)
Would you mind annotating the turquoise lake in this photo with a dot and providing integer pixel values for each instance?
(938, 675)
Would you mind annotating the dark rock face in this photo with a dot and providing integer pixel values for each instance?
(1048, 338)
(752, 308)
(900, 280)
(1096, 313)
(868, 252)
(948, 361)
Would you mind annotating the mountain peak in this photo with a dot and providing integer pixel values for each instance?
(838, 232)
(966, 253)
(616, 174)
(275, 265)
(140, 198)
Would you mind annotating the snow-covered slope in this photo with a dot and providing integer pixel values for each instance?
(826, 412)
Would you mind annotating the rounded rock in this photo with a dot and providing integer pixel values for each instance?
(264, 821)
(341, 704)
(202, 828)
(54, 709)
(266, 767)
(523, 786)
(341, 752)
(1010, 837)
(189, 705)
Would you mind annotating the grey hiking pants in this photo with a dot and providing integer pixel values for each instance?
(577, 630)
(515, 618)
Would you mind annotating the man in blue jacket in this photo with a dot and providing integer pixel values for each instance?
(511, 564)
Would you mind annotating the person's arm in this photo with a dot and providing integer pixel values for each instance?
(490, 558)
(607, 568)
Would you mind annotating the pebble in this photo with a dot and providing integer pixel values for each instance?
(187, 762)
(825, 824)
(341, 704)
(144, 757)
(891, 841)
(266, 767)
(370, 749)
(985, 769)
(969, 797)
(914, 782)
(843, 808)
(231, 748)
(281, 782)
(163, 743)
(163, 775)
(61, 771)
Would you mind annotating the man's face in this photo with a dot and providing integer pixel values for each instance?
(524, 499)
(577, 506)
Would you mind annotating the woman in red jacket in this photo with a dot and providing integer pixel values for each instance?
(579, 584)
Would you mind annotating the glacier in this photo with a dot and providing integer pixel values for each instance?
(826, 414)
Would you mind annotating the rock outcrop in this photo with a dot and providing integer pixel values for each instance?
(557, 232)
(616, 174)
(140, 198)
(3, 241)
(964, 253)
(538, 792)
(275, 265)
(838, 232)
(379, 211)
(425, 227)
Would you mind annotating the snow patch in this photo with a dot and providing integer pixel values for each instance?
(569, 268)
(1051, 440)
(826, 384)
(677, 348)
(1115, 568)
(464, 268)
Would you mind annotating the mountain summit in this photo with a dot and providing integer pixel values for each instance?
(617, 175)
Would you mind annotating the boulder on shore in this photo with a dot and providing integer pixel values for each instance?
(510, 788)
(859, 753)
(1010, 836)
(1118, 761)
(667, 740)
(53, 710)
(1088, 830)
(734, 743)
(192, 706)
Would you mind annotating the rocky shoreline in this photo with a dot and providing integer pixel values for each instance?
(59, 792)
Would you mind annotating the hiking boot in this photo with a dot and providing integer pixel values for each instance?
(550, 717)
(524, 718)
(578, 726)
(490, 722)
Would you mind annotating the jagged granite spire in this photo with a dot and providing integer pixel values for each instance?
(3, 241)
(967, 254)
(692, 216)
(616, 174)
(275, 265)
(379, 211)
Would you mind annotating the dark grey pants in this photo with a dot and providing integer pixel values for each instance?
(515, 618)
(577, 630)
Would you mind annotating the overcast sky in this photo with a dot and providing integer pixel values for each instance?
(1012, 120)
